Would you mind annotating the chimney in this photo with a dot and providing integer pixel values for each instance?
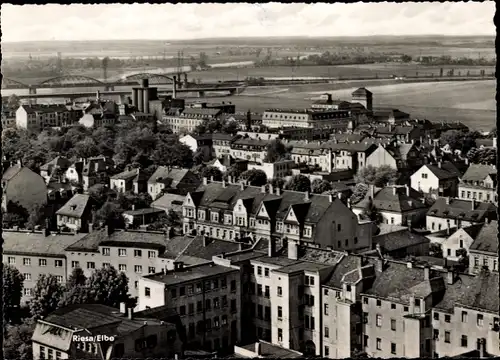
(306, 197)
(447, 200)
(91, 227)
(257, 348)
(394, 190)
(372, 191)
(427, 271)
(409, 224)
(440, 164)
(293, 250)
(482, 348)
(263, 189)
(349, 203)
(407, 188)
(205, 181)
(473, 204)
(379, 265)
(271, 251)
(224, 183)
(133, 207)
(240, 246)
(330, 198)
(278, 191)
(205, 241)
(178, 265)
(448, 227)
(211, 179)
(109, 229)
(131, 314)
(409, 264)
(123, 308)
(242, 186)
(271, 189)
(450, 277)
(20, 162)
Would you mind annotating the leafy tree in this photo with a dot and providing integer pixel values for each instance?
(482, 156)
(370, 212)
(298, 183)
(359, 193)
(255, 177)
(110, 213)
(76, 278)
(459, 140)
(230, 127)
(17, 214)
(100, 194)
(319, 186)
(17, 341)
(86, 148)
(233, 171)
(198, 156)
(107, 286)
(210, 171)
(46, 296)
(13, 286)
(277, 183)
(378, 176)
(37, 216)
(276, 151)
(493, 133)
(435, 250)
(463, 259)
(13, 102)
(172, 153)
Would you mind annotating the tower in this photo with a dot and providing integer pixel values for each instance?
(364, 97)
(105, 63)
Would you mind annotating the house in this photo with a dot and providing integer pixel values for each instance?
(278, 169)
(396, 205)
(382, 157)
(390, 116)
(402, 243)
(249, 149)
(23, 187)
(36, 253)
(229, 211)
(221, 144)
(199, 143)
(459, 238)
(139, 217)
(76, 214)
(74, 173)
(480, 183)
(59, 164)
(402, 134)
(130, 180)
(178, 181)
(38, 117)
(102, 332)
(483, 252)
(99, 113)
(227, 161)
(442, 178)
(459, 213)
(95, 171)
(168, 202)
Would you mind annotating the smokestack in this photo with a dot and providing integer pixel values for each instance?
(20, 163)
(123, 308)
(440, 164)
(372, 191)
(145, 95)
(140, 100)
(349, 203)
(249, 120)
(257, 348)
(409, 224)
(330, 198)
(131, 314)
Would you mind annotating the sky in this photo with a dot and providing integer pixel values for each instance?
(211, 20)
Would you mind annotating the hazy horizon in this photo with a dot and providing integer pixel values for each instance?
(178, 22)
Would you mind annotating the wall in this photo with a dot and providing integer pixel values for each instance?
(442, 223)
(418, 183)
(477, 260)
(381, 157)
(27, 188)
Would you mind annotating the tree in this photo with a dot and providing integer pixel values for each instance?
(319, 186)
(370, 212)
(482, 156)
(459, 140)
(359, 193)
(37, 216)
(100, 194)
(198, 156)
(298, 183)
(234, 172)
(230, 127)
(17, 341)
(211, 171)
(46, 296)
(435, 250)
(277, 183)
(255, 177)
(276, 151)
(86, 148)
(76, 278)
(14, 102)
(13, 286)
(378, 176)
(107, 286)
(110, 213)
(463, 259)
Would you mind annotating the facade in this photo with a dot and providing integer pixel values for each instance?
(199, 143)
(23, 187)
(483, 251)
(141, 217)
(447, 212)
(327, 103)
(58, 164)
(308, 118)
(178, 181)
(133, 335)
(131, 180)
(36, 253)
(221, 144)
(235, 211)
(76, 214)
(249, 149)
(278, 169)
(95, 171)
(462, 238)
(39, 117)
(188, 119)
(381, 157)
(480, 183)
(442, 178)
(363, 97)
(206, 297)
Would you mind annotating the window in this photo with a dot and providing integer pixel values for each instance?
(327, 332)
(90, 265)
(58, 355)
(122, 267)
(259, 270)
(417, 302)
(223, 320)
(233, 306)
(59, 279)
(199, 306)
(75, 264)
(173, 293)
(27, 276)
(58, 263)
(266, 292)
(379, 320)
(122, 252)
(379, 303)
(464, 316)
(216, 322)
(424, 176)
(480, 320)
(27, 292)
(233, 286)
(266, 272)
(137, 253)
(224, 301)
(379, 344)
(42, 262)
(436, 316)
(280, 335)
(106, 251)
(393, 348)
(393, 306)
(365, 300)
(447, 337)
(208, 304)
(12, 260)
(138, 269)
(136, 284)
(147, 292)
(327, 351)
(151, 254)
(280, 291)
(151, 270)
(325, 309)
(106, 265)
(463, 341)
(27, 262)
(190, 290)
(436, 334)
(259, 289)
(325, 292)
(365, 318)
(365, 340)
(182, 310)
(198, 288)
(42, 352)
(280, 312)
(339, 227)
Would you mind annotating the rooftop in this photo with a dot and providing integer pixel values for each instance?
(76, 206)
(268, 350)
(37, 244)
(190, 273)
(401, 239)
(487, 239)
(467, 210)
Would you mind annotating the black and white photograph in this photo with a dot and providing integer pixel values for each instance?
(249, 180)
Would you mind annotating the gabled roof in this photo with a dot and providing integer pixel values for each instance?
(478, 172)
(60, 161)
(37, 243)
(11, 172)
(463, 210)
(127, 175)
(397, 240)
(76, 206)
(487, 239)
(166, 175)
(446, 171)
(361, 91)
(385, 200)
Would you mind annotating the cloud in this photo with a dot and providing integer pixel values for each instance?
(187, 21)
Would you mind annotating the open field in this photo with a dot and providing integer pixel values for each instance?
(472, 102)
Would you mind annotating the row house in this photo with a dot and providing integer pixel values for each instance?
(479, 183)
(39, 117)
(221, 144)
(228, 211)
(188, 119)
(483, 252)
(249, 149)
(448, 212)
(206, 297)
(307, 118)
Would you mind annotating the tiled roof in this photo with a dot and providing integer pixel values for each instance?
(487, 239)
(479, 291)
(222, 136)
(76, 206)
(60, 161)
(171, 176)
(396, 130)
(169, 201)
(126, 175)
(478, 172)
(401, 239)
(446, 171)
(32, 109)
(386, 200)
(268, 350)
(200, 112)
(462, 209)
(363, 146)
(213, 247)
(190, 273)
(302, 266)
(346, 137)
(37, 244)
(11, 172)
(143, 211)
(251, 142)
(346, 264)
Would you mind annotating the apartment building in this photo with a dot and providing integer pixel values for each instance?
(483, 252)
(127, 334)
(189, 118)
(171, 180)
(458, 213)
(206, 297)
(249, 149)
(39, 117)
(307, 118)
(37, 253)
(228, 211)
(278, 169)
(221, 144)
(479, 183)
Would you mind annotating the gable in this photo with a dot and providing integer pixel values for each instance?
(239, 207)
(424, 170)
(263, 211)
(291, 215)
(188, 200)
